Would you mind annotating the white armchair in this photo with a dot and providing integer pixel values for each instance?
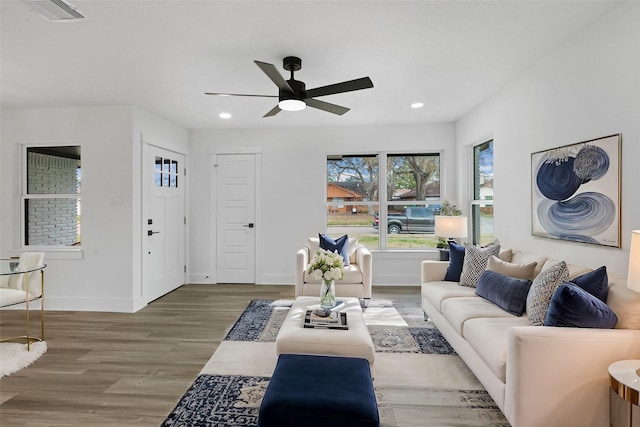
(356, 281)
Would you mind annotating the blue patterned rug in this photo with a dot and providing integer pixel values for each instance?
(234, 400)
(262, 319)
(219, 400)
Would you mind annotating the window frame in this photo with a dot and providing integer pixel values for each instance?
(382, 203)
(476, 204)
(25, 195)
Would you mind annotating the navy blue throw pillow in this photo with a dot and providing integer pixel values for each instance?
(572, 306)
(508, 293)
(341, 244)
(595, 282)
(456, 260)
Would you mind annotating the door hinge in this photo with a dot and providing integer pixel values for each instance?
(185, 171)
(185, 220)
(185, 268)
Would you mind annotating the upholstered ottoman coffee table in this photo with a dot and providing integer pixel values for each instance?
(294, 338)
(319, 391)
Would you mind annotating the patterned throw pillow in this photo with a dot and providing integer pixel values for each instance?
(542, 289)
(475, 263)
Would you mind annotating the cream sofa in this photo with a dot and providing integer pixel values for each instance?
(539, 376)
(356, 280)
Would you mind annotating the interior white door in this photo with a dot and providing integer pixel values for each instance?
(235, 193)
(164, 223)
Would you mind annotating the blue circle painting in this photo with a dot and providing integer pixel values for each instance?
(557, 180)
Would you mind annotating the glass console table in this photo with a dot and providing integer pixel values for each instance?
(21, 295)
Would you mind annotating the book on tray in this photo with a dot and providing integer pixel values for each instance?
(334, 320)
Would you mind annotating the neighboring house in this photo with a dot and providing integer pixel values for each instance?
(344, 192)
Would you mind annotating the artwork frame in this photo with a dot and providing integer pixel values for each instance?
(575, 192)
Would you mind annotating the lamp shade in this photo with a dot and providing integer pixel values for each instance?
(451, 226)
(633, 277)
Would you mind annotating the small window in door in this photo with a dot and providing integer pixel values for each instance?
(166, 172)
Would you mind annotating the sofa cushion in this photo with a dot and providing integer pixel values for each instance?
(353, 247)
(520, 257)
(574, 270)
(595, 282)
(572, 306)
(339, 245)
(508, 293)
(625, 303)
(519, 271)
(488, 337)
(475, 262)
(542, 290)
(460, 309)
(456, 261)
(436, 292)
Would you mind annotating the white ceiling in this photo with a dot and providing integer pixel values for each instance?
(163, 55)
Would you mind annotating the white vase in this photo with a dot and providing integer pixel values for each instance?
(328, 294)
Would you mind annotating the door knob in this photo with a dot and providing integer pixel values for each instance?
(151, 233)
(250, 225)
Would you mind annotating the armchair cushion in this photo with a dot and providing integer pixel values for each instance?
(339, 245)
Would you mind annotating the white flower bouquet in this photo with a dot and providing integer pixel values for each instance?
(326, 265)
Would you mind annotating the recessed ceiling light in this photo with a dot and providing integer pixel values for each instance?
(417, 105)
(224, 115)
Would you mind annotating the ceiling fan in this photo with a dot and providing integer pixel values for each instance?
(292, 93)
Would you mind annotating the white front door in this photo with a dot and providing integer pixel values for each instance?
(164, 228)
(235, 193)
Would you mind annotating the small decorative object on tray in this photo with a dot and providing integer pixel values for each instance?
(325, 319)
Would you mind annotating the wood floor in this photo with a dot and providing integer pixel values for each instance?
(115, 369)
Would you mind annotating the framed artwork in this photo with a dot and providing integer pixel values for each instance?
(576, 192)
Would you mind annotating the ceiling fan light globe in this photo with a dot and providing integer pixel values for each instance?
(292, 105)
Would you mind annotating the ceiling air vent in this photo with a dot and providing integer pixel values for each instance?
(55, 10)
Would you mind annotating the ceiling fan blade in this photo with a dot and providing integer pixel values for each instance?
(271, 72)
(239, 94)
(348, 86)
(275, 110)
(326, 106)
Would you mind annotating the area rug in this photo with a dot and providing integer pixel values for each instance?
(14, 356)
(419, 379)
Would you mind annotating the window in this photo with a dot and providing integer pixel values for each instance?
(166, 173)
(482, 204)
(403, 197)
(51, 196)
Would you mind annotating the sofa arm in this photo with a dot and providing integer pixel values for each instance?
(363, 256)
(302, 260)
(559, 376)
(433, 271)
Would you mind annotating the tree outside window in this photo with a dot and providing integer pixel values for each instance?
(361, 197)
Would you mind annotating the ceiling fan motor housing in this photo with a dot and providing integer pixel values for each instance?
(292, 63)
(299, 90)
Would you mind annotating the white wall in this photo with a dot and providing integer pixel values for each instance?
(585, 89)
(293, 187)
(104, 275)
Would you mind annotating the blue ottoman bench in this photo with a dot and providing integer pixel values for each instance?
(319, 391)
